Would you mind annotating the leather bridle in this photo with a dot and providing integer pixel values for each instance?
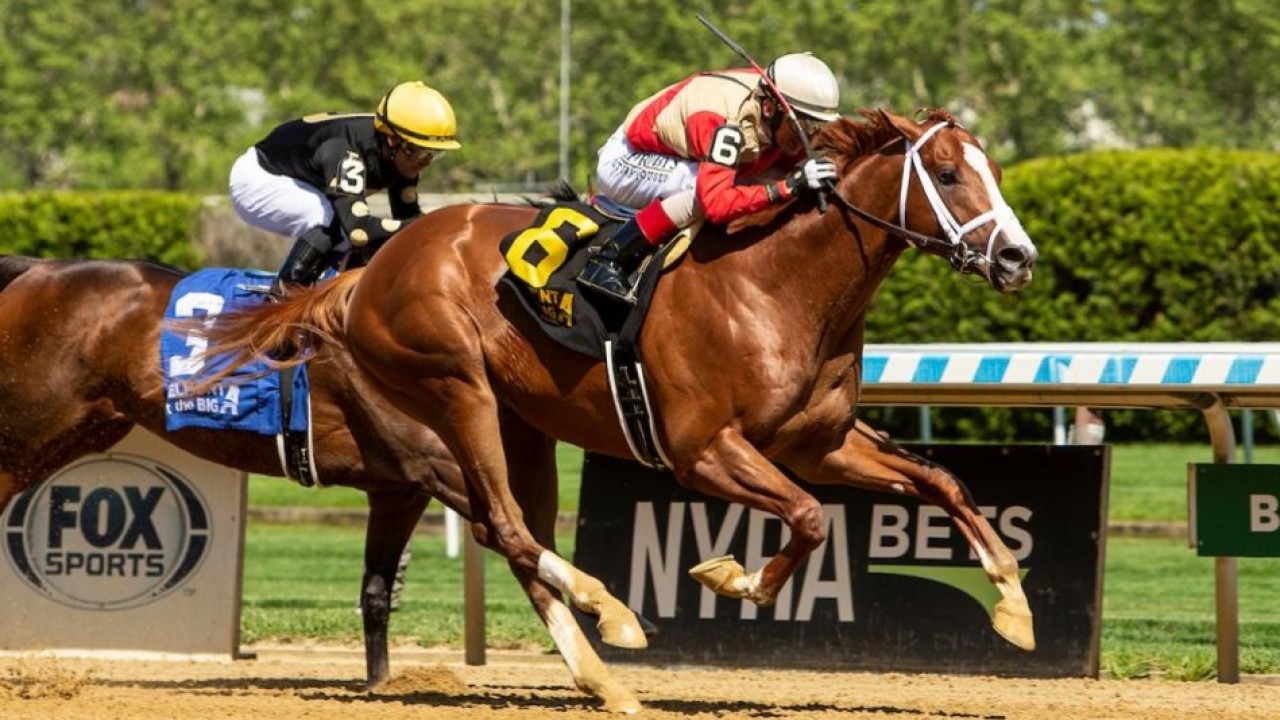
(961, 257)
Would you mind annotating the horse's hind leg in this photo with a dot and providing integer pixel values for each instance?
(868, 460)
(534, 485)
(440, 378)
(392, 519)
(464, 412)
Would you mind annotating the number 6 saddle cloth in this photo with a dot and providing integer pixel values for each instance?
(544, 259)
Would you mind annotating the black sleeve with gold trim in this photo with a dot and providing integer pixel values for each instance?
(402, 195)
(361, 227)
(347, 183)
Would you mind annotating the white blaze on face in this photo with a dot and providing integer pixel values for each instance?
(1008, 223)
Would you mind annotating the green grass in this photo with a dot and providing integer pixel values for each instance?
(301, 582)
(1158, 610)
(1149, 481)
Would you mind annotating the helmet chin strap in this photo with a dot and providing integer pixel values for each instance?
(773, 121)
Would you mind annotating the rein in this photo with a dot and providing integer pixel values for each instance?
(961, 257)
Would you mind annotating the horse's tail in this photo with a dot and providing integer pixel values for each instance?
(281, 334)
(11, 266)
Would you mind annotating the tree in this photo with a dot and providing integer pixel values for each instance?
(166, 93)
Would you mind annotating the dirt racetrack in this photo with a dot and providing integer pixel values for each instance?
(325, 683)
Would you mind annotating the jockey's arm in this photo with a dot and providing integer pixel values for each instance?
(346, 189)
(719, 189)
(360, 226)
(402, 195)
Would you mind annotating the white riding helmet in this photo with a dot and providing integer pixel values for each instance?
(808, 85)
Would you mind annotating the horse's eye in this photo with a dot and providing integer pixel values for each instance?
(948, 177)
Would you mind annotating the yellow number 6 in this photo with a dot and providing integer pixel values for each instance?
(554, 246)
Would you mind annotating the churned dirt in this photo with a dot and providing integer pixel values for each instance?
(290, 682)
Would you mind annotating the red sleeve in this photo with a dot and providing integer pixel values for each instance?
(698, 131)
(724, 200)
(718, 189)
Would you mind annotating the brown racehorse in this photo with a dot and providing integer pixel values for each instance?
(79, 367)
(752, 353)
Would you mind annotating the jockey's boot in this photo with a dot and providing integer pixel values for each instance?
(305, 262)
(606, 272)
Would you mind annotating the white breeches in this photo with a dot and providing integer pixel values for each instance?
(629, 180)
(276, 203)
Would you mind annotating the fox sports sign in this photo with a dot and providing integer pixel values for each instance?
(109, 533)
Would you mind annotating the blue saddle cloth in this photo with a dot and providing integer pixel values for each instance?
(242, 402)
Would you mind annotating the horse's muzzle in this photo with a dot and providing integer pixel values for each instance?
(1012, 268)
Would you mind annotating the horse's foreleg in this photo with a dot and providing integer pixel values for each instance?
(868, 460)
(392, 519)
(732, 469)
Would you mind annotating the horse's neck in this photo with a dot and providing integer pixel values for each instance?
(839, 261)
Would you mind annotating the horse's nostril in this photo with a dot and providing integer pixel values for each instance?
(1015, 256)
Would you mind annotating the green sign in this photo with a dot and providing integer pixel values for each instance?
(1236, 510)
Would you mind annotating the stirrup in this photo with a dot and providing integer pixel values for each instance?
(629, 296)
(276, 291)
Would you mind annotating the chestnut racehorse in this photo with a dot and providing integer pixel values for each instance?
(752, 353)
(79, 367)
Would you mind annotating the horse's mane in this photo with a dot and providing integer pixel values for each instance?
(846, 140)
(562, 191)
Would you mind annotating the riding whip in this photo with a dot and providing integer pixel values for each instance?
(773, 89)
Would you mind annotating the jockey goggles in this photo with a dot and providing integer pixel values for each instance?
(811, 126)
(419, 154)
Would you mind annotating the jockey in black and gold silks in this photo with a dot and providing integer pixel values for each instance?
(310, 178)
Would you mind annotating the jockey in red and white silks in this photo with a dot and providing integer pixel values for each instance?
(714, 145)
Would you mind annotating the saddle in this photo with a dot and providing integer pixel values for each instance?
(543, 260)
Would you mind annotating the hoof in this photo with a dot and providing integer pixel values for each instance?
(621, 629)
(649, 628)
(723, 575)
(622, 702)
(1014, 624)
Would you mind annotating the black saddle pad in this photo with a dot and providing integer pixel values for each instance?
(543, 261)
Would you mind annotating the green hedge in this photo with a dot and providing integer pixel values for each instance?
(1151, 246)
(138, 225)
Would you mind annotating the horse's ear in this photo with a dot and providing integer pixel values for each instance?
(907, 128)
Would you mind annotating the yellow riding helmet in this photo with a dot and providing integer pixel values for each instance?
(419, 114)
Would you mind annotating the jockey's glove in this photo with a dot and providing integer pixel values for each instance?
(813, 174)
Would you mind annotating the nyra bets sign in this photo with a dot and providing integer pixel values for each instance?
(894, 587)
(138, 549)
(109, 533)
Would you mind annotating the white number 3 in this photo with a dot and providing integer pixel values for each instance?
(725, 145)
(351, 175)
